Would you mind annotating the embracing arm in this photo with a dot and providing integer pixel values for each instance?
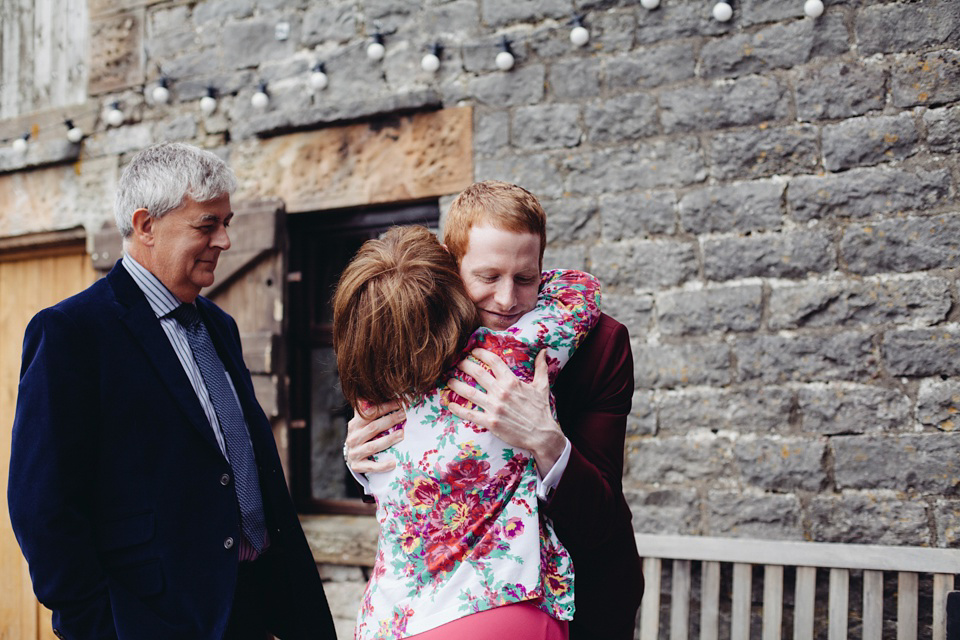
(51, 477)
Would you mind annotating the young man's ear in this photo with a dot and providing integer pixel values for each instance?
(143, 227)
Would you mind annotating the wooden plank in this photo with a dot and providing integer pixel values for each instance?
(804, 599)
(872, 605)
(42, 35)
(838, 604)
(680, 601)
(710, 601)
(907, 609)
(10, 78)
(806, 554)
(650, 604)
(772, 601)
(740, 606)
(942, 585)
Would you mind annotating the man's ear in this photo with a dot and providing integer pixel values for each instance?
(143, 227)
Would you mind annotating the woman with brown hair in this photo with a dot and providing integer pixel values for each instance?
(463, 549)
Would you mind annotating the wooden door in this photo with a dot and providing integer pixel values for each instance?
(29, 281)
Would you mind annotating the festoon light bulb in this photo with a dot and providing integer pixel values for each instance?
(208, 103)
(813, 8)
(114, 115)
(722, 12)
(260, 99)
(376, 50)
(20, 144)
(579, 35)
(74, 133)
(318, 77)
(431, 61)
(161, 92)
(650, 4)
(504, 59)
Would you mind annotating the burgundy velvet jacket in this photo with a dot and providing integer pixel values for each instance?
(594, 393)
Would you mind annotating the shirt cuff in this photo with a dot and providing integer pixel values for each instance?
(549, 482)
(361, 479)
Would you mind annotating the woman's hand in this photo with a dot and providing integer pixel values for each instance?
(515, 411)
(363, 437)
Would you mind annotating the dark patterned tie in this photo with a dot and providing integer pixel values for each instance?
(232, 425)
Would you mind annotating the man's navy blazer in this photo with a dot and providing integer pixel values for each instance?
(120, 497)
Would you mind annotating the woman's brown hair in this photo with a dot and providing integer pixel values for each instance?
(401, 315)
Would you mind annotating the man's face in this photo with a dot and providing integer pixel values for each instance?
(501, 270)
(187, 243)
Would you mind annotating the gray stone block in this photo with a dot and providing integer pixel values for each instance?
(537, 172)
(805, 358)
(753, 515)
(922, 352)
(723, 309)
(633, 310)
(651, 67)
(759, 152)
(330, 22)
(902, 245)
(638, 214)
(743, 206)
(621, 119)
(938, 403)
(760, 11)
(190, 66)
(496, 13)
(930, 79)
(641, 166)
(574, 78)
(942, 126)
(925, 464)
(642, 419)
(678, 461)
(491, 131)
(851, 303)
(862, 193)
(252, 42)
(518, 87)
(675, 20)
(220, 10)
(858, 518)
(777, 47)
(664, 511)
(888, 28)
(747, 101)
(183, 127)
(782, 465)
(868, 141)
(451, 22)
(611, 31)
(794, 254)
(646, 264)
(744, 410)
(572, 220)
(671, 366)
(836, 408)
(839, 90)
(550, 126)
(946, 515)
(568, 257)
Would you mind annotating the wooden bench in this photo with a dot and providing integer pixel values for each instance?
(738, 558)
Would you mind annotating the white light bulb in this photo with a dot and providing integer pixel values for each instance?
(20, 145)
(722, 12)
(160, 94)
(260, 100)
(208, 104)
(505, 61)
(74, 134)
(650, 4)
(319, 80)
(430, 63)
(114, 117)
(375, 51)
(813, 8)
(579, 36)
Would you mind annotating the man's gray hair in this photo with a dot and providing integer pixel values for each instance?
(162, 176)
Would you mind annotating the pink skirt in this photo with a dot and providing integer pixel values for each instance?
(517, 620)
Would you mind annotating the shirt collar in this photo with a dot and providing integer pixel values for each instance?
(161, 300)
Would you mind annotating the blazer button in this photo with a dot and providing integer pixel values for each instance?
(228, 543)
(225, 479)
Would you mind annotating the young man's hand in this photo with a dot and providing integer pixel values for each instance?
(364, 437)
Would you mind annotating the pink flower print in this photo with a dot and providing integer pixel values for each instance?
(513, 529)
(467, 472)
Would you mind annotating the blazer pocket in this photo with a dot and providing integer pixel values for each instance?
(145, 579)
(127, 532)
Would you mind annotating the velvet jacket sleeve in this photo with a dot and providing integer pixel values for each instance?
(52, 457)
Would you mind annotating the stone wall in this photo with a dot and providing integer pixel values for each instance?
(771, 203)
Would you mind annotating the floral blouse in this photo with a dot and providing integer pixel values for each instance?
(460, 525)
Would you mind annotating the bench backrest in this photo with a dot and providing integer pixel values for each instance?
(802, 559)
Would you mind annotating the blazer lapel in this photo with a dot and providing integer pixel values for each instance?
(144, 326)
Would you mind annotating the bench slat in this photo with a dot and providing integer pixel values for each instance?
(942, 585)
(740, 606)
(907, 584)
(803, 603)
(872, 605)
(838, 604)
(650, 604)
(680, 601)
(710, 601)
(772, 601)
